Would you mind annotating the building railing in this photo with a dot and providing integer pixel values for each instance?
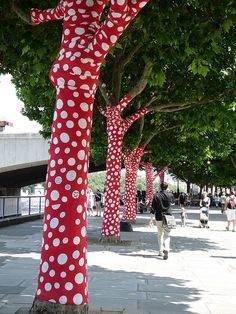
(11, 206)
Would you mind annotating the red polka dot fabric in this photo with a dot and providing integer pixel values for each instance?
(63, 269)
(116, 129)
(132, 161)
(149, 181)
(150, 178)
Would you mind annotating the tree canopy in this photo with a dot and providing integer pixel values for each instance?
(192, 48)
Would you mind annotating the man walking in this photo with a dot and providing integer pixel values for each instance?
(161, 205)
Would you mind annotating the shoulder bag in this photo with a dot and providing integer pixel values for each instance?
(168, 221)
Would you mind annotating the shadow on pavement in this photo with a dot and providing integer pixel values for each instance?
(152, 294)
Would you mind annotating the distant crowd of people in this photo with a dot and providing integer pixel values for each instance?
(161, 206)
(95, 202)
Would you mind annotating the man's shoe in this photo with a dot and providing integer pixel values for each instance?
(165, 255)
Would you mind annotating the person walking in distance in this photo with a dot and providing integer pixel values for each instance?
(222, 202)
(161, 204)
(230, 210)
(98, 200)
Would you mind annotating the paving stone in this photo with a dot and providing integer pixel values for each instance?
(11, 289)
(198, 278)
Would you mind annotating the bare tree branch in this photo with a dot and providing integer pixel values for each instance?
(171, 107)
(119, 66)
(154, 98)
(130, 55)
(104, 92)
(142, 83)
(17, 9)
(233, 162)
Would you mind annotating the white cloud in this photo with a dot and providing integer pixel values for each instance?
(10, 109)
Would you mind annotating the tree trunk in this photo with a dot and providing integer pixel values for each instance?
(132, 161)
(162, 177)
(63, 269)
(129, 213)
(149, 182)
(40, 307)
(188, 186)
(111, 220)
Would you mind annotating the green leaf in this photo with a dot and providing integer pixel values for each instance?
(228, 23)
(25, 50)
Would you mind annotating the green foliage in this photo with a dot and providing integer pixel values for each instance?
(192, 47)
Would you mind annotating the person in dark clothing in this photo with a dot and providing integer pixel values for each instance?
(98, 201)
(161, 204)
(182, 199)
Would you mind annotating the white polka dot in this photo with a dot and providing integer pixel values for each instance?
(62, 228)
(79, 181)
(76, 70)
(45, 267)
(71, 175)
(70, 124)
(64, 114)
(65, 240)
(54, 195)
(79, 209)
(83, 231)
(64, 199)
(63, 274)
(72, 267)
(48, 287)
(76, 254)
(62, 214)
(58, 180)
(63, 299)
(56, 206)
(77, 222)
(84, 106)
(77, 299)
(54, 223)
(82, 123)
(56, 242)
(76, 240)
(70, 103)
(68, 286)
(64, 137)
(71, 161)
(105, 46)
(59, 104)
(52, 163)
(113, 39)
(62, 259)
(79, 278)
(56, 285)
(81, 155)
(81, 262)
(79, 30)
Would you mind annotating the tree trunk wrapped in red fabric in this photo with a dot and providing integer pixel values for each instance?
(63, 269)
(116, 129)
(131, 161)
(150, 178)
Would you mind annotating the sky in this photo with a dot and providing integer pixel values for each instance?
(10, 109)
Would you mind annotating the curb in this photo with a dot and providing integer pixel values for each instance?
(6, 222)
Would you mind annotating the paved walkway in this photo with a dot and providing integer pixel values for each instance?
(199, 276)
